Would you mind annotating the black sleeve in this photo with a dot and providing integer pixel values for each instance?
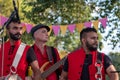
(30, 55)
(107, 61)
(65, 67)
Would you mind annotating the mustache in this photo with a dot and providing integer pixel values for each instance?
(95, 43)
(18, 34)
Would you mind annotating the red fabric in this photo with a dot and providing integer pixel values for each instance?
(76, 61)
(42, 58)
(8, 60)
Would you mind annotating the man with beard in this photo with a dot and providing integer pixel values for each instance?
(15, 55)
(87, 63)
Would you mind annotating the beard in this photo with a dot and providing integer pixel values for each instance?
(16, 36)
(90, 47)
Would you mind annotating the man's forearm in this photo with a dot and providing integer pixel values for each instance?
(111, 73)
(114, 76)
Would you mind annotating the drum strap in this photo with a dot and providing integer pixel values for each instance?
(18, 55)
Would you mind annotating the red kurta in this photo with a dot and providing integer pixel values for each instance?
(42, 58)
(8, 60)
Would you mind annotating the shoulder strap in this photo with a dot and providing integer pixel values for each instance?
(101, 55)
(99, 65)
(49, 53)
(54, 55)
(18, 55)
(58, 71)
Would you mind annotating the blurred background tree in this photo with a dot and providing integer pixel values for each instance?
(111, 10)
(58, 12)
(64, 12)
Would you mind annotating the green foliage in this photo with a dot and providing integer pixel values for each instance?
(4, 9)
(115, 57)
(62, 12)
(58, 12)
(27, 38)
(67, 42)
(111, 10)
